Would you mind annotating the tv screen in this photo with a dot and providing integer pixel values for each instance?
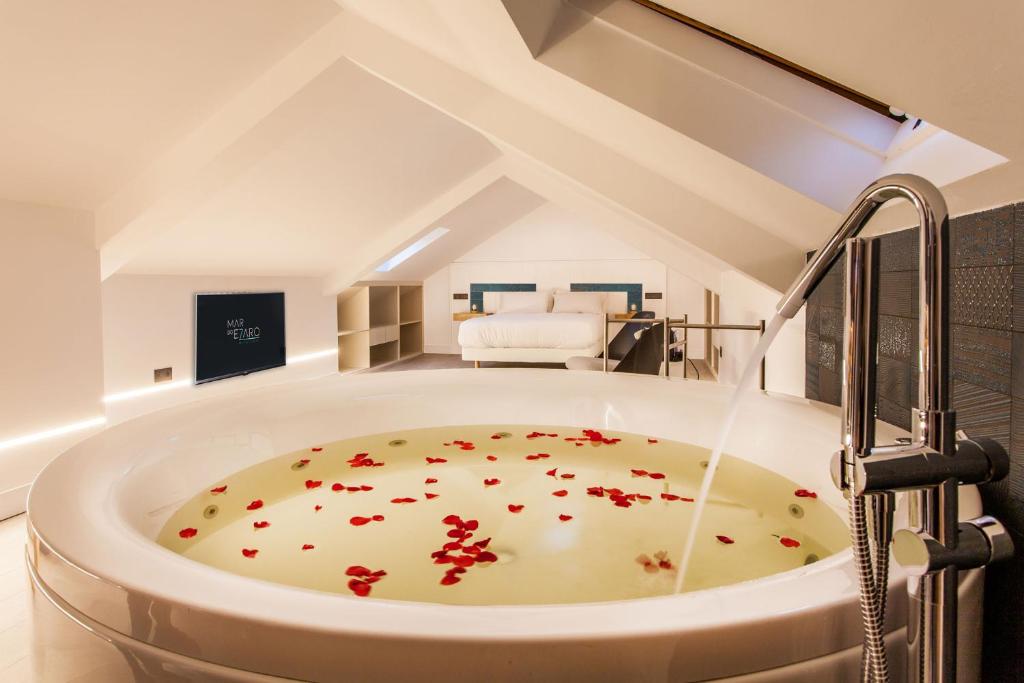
(237, 334)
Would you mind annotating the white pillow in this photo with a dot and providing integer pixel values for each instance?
(579, 302)
(523, 302)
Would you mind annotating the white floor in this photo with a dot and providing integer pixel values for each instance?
(14, 615)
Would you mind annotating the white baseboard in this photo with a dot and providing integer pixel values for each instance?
(12, 501)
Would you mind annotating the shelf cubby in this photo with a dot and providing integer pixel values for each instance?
(379, 323)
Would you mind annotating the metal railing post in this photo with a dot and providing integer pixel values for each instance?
(666, 336)
(760, 334)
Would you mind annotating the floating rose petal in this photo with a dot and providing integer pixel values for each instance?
(304, 461)
(254, 505)
(639, 473)
(307, 546)
(313, 484)
(492, 458)
(360, 588)
(378, 518)
(249, 552)
(430, 480)
(725, 539)
(656, 475)
(492, 482)
(357, 570)
(337, 487)
(188, 532)
(365, 487)
(669, 496)
(804, 493)
(463, 561)
(316, 449)
(449, 580)
(567, 476)
(403, 500)
(260, 525)
(486, 556)
(430, 496)
(552, 472)
(652, 441)
(219, 489)
(359, 521)
(515, 508)
(472, 524)
(431, 461)
(452, 519)
(789, 542)
(565, 518)
(318, 508)
(561, 493)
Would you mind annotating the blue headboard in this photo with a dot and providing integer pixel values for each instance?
(634, 292)
(476, 290)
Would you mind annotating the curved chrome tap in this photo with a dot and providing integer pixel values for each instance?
(932, 465)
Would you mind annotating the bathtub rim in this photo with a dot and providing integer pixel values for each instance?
(576, 619)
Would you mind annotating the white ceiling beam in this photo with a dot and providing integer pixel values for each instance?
(622, 182)
(208, 159)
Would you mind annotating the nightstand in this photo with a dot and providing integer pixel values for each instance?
(622, 316)
(466, 315)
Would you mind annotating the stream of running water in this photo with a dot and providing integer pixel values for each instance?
(741, 390)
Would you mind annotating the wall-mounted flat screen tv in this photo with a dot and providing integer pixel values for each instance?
(238, 333)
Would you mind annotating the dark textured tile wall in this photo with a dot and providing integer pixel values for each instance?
(987, 357)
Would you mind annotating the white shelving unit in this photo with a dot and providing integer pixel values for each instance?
(379, 323)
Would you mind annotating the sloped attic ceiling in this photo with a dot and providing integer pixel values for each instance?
(358, 156)
(320, 137)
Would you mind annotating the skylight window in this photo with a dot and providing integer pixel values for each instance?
(413, 249)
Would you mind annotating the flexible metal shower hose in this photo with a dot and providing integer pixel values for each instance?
(873, 576)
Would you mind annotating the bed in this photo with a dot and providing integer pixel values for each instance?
(539, 327)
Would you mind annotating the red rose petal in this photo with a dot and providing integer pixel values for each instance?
(552, 472)
(250, 553)
(561, 493)
(255, 505)
(378, 518)
(359, 521)
(804, 493)
(452, 519)
(365, 487)
(430, 480)
(669, 496)
(401, 501)
(431, 461)
(337, 487)
(304, 461)
(188, 532)
(316, 449)
(313, 484)
(652, 441)
(725, 539)
(260, 525)
(219, 489)
(357, 570)
(431, 496)
(565, 518)
(318, 508)
(472, 524)
(516, 508)
(463, 561)
(307, 546)
(360, 588)
(492, 482)
(449, 580)
(639, 473)
(567, 476)
(789, 542)
(492, 458)
(656, 475)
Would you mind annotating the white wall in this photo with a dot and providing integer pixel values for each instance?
(51, 367)
(551, 247)
(743, 301)
(148, 324)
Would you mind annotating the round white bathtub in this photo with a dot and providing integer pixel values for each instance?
(110, 604)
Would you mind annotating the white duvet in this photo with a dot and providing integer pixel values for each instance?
(532, 331)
